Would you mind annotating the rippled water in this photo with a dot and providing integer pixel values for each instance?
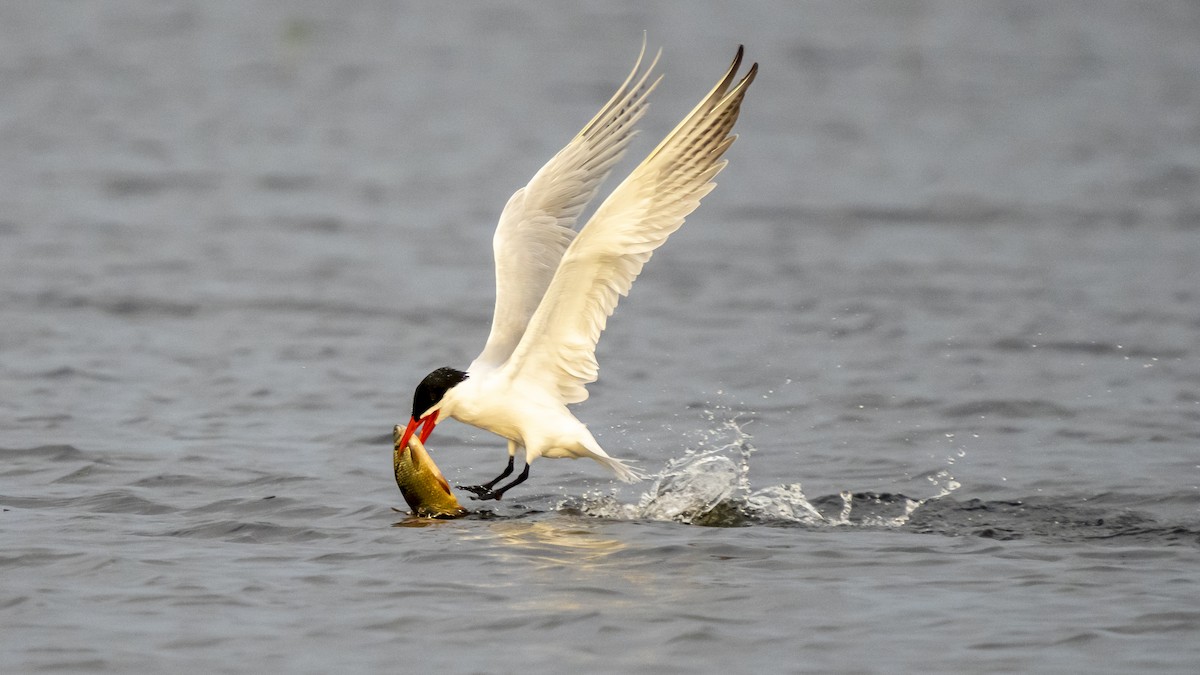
(918, 384)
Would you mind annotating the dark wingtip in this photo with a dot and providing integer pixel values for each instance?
(737, 61)
(751, 73)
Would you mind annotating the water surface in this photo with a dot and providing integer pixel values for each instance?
(918, 382)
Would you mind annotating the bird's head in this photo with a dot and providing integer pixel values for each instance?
(427, 400)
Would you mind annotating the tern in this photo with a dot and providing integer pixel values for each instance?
(556, 287)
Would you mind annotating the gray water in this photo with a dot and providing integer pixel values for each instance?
(918, 384)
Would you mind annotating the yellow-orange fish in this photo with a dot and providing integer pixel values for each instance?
(421, 482)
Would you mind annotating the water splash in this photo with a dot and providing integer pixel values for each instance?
(710, 485)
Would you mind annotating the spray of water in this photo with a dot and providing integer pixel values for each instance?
(709, 484)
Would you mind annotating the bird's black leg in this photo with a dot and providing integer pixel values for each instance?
(497, 494)
(507, 470)
(485, 491)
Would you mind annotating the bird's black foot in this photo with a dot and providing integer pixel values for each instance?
(486, 491)
(482, 492)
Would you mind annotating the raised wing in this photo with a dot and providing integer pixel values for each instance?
(537, 225)
(558, 350)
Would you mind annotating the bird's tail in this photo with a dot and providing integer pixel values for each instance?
(588, 447)
(623, 471)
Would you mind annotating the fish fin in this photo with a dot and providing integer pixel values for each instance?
(419, 456)
(444, 483)
(441, 480)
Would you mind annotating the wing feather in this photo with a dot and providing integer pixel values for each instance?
(558, 350)
(537, 225)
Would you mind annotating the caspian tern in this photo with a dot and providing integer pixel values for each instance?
(556, 288)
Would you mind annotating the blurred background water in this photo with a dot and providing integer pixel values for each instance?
(929, 352)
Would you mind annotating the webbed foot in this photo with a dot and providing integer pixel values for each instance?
(482, 492)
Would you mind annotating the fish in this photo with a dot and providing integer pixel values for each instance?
(421, 482)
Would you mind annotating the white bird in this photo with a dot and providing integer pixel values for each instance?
(556, 288)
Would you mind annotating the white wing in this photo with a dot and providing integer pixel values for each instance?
(537, 224)
(558, 350)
